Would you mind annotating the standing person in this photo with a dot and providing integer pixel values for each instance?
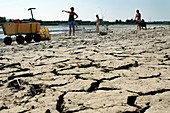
(71, 20)
(97, 23)
(138, 19)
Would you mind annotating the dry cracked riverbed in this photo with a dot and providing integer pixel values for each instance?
(122, 72)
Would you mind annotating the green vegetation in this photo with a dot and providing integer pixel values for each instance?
(80, 22)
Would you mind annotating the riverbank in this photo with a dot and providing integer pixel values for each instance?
(122, 71)
(63, 29)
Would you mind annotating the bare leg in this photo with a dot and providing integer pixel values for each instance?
(70, 32)
(97, 27)
(73, 31)
(139, 27)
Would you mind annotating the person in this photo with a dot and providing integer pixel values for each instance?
(71, 20)
(138, 19)
(97, 23)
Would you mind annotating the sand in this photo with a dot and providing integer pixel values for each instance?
(125, 71)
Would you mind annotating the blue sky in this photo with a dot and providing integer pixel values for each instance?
(151, 10)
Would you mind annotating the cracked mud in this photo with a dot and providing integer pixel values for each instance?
(123, 71)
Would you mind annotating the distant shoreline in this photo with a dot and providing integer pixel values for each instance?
(78, 22)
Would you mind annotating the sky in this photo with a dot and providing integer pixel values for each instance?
(109, 10)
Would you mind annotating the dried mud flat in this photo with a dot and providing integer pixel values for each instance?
(124, 71)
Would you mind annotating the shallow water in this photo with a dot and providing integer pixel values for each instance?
(64, 29)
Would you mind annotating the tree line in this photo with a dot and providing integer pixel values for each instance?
(81, 22)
